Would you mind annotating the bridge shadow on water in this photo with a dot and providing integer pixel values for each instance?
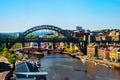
(54, 57)
(81, 70)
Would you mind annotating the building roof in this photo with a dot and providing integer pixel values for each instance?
(115, 50)
(26, 67)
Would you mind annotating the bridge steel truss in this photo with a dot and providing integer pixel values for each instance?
(82, 45)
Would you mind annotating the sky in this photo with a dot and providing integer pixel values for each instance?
(20, 15)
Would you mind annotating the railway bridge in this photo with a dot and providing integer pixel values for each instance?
(9, 42)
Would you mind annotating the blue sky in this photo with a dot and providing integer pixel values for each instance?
(20, 15)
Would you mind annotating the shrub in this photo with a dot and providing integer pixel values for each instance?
(12, 60)
(11, 57)
(70, 50)
(19, 57)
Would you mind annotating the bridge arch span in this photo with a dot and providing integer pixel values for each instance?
(42, 27)
(47, 27)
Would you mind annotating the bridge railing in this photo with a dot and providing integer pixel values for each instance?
(4, 40)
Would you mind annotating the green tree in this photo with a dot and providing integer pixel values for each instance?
(4, 52)
(19, 57)
(11, 36)
(53, 36)
(11, 57)
(31, 36)
(1, 49)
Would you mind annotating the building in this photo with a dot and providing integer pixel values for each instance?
(107, 54)
(94, 36)
(108, 38)
(115, 54)
(115, 35)
(79, 28)
(78, 34)
(91, 38)
(91, 50)
(28, 71)
(98, 38)
(118, 54)
(33, 44)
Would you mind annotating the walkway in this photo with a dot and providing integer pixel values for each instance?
(5, 68)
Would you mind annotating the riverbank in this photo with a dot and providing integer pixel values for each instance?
(95, 61)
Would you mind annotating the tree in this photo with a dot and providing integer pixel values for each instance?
(31, 36)
(11, 36)
(4, 52)
(53, 37)
(0, 49)
(11, 57)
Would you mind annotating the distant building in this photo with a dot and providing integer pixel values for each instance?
(107, 54)
(91, 38)
(81, 33)
(115, 54)
(98, 38)
(87, 31)
(33, 44)
(78, 28)
(108, 38)
(91, 50)
(115, 35)
(78, 34)
(118, 54)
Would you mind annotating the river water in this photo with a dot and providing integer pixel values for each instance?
(63, 67)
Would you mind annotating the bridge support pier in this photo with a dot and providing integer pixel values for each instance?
(85, 48)
(54, 45)
(65, 45)
(119, 38)
(39, 44)
(68, 45)
(23, 45)
(0, 44)
(96, 50)
(6, 45)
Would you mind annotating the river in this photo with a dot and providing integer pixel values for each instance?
(63, 67)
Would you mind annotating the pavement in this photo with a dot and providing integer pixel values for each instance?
(3, 74)
(112, 64)
(5, 68)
